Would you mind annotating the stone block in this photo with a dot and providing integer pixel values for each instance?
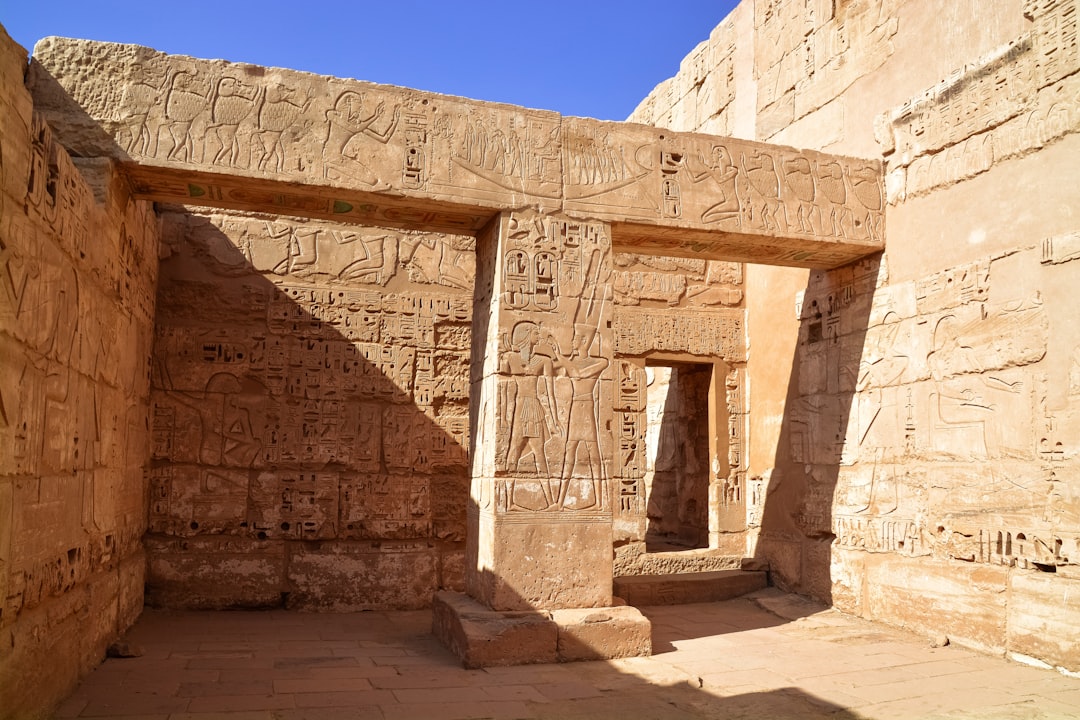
(483, 638)
(602, 633)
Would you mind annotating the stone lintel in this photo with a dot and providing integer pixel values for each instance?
(485, 638)
(377, 154)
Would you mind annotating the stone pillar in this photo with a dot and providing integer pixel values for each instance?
(540, 513)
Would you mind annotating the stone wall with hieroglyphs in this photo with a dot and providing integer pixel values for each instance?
(913, 453)
(310, 413)
(78, 263)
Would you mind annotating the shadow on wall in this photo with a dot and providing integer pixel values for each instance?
(824, 427)
(310, 415)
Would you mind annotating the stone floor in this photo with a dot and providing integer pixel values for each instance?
(761, 657)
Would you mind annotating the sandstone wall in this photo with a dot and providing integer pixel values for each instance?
(310, 414)
(913, 444)
(78, 263)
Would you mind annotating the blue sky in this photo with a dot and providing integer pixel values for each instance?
(594, 58)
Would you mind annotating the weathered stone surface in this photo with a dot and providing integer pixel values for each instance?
(602, 633)
(634, 559)
(349, 577)
(324, 389)
(967, 602)
(688, 587)
(1042, 618)
(215, 573)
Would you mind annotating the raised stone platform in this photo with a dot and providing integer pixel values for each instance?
(482, 637)
(689, 587)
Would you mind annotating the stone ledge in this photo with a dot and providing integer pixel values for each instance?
(689, 587)
(483, 638)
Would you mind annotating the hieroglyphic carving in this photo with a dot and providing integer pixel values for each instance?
(1055, 32)
(706, 334)
(341, 381)
(1011, 100)
(1061, 249)
(640, 279)
(972, 99)
(630, 425)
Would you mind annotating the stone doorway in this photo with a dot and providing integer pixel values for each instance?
(679, 456)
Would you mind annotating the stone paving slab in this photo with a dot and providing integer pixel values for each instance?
(763, 656)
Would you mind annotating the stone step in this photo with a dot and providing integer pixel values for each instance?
(683, 588)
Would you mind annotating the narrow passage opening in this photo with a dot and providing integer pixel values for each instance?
(677, 467)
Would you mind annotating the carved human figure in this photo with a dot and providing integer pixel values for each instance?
(533, 417)
(437, 260)
(584, 370)
(955, 404)
(800, 179)
(348, 125)
(867, 190)
(301, 246)
(830, 176)
(722, 170)
(372, 267)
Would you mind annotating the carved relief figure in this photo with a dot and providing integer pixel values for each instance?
(442, 260)
(532, 412)
(183, 103)
(865, 188)
(724, 173)
(375, 266)
(137, 99)
(232, 102)
(584, 370)
(277, 112)
(831, 184)
(800, 179)
(348, 126)
(760, 170)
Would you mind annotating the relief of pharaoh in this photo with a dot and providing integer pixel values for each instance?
(530, 404)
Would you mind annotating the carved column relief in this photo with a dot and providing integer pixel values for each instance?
(549, 397)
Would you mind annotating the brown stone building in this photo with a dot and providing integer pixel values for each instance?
(270, 339)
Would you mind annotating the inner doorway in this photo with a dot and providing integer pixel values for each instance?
(678, 456)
